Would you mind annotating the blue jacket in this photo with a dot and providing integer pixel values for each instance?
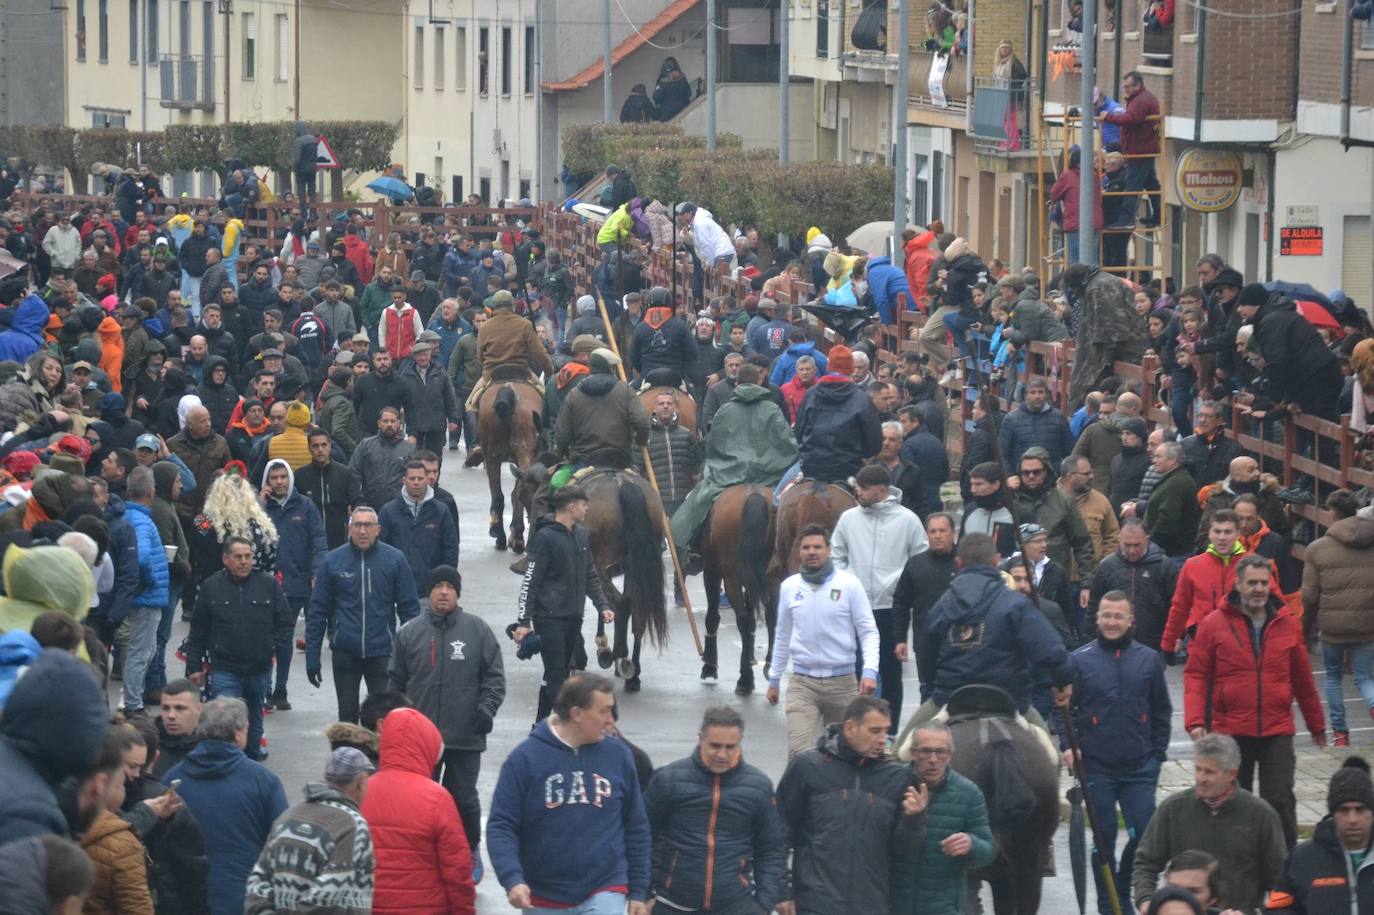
(837, 428)
(1121, 707)
(153, 575)
(1022, 429)
(888, 286)
(786, 365)
(128, 569)
(568, 823)
(359, 596)
(25, 336)
(449, 334)
(235, 801)
(428, 538)
(768, 337)
(981, 631)
(300, 540)
(457, 265)
(924, 450)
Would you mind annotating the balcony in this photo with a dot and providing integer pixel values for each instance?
(938, 83)
(186, 82)
(999, 121)
(1157, 47)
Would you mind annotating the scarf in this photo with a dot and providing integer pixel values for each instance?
(1214, 804)
(991, 502)
(1115, 645)
(819, 576)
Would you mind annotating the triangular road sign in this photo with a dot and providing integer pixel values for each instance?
(324, 155)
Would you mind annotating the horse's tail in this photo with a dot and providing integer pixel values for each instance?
(504, 406)
(755, 550)
(643, 563)
(1011, 795)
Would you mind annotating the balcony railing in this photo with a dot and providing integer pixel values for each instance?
(1000, 119)
(1157, 47)
(186, 82)
(938, 80)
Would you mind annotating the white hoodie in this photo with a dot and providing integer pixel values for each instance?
(875, 543)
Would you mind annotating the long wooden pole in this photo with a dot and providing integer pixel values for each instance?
(653, 481)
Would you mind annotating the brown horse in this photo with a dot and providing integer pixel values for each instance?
(626, 525)
(686, 405)
(736, 548)
(508, 428)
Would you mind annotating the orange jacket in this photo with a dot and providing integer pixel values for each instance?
(919, 257)
(111, 351)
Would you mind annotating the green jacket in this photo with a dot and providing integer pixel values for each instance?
(1171, 515)
(749, 442)
(464, 367)
(930, 882)
(1068, 539)
(374, 302)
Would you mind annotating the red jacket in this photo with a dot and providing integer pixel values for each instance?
(356, 250)
(1140, 124)
(1067, 190)
(1230, 688)
(1203, 583)
(919, 257)
(424, 866)
(792, 394)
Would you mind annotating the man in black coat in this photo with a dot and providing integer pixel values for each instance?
(331, 486)
(924, 579)
(718, 838)
(921, 447)
(1298, 368)
(1323, 873)
(381, 387)
(1208, 453)
(1145, 574)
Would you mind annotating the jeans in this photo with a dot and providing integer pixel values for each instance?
(250, 688)
(1361, 665)
(156, 677)
(561, 637)
(143, 623)
(1134, 793)
(190, 293)
(1277, 765)
(1181, 404)
(1140, 176)
(457, 772)
(792, 473)
(349, 671)
(889, 668)
(287, 646)
(599, 904)
(1071, 246)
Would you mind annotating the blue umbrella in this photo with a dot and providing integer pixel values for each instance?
(1301, 291)
(394, 188)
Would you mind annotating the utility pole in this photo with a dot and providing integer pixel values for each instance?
(1087, 163)
(900, 94)
(143, 46)
(607, 100)
(538, 102)
(784, 77)
(710, 75)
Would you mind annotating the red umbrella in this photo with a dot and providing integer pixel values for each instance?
(1316, 315)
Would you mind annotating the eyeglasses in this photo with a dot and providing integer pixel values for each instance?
(933, 752)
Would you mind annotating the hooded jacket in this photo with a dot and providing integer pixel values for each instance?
(358, 597)
(838, 429)
(1149, 583)
(601, 416)
(569, 822)
(25, 334)
(560, 577)
(874, 544)
(335, 415)
(842, 816)
(424, 864)
(785, 366)
(450, 666)
(40, 749)
(121, 876)
(1121, 706)
(1338, 579)
(1320, 878)
(235, 800)
(1204, 581)
(981, 631)
(40, 579)
(423, 531)
(889, 287)
(662, 341)
(220, 399)
(334, 490)
(1298, 366)
(300, 536)
(1233, 687)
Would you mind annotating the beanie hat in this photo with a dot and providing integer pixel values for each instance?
(1350, 783)
(75, 444)
(1229, 276)
(1133, 424)
(441, 574)
(811, 234)
(298, 415)
(840, 360)
(107, 281)
(68, 464)
(1254, 294)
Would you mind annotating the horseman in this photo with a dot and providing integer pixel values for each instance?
(599, 421)
(662, 343)
(983, 632)
(837, 426)
(749, 442)
(507, 339)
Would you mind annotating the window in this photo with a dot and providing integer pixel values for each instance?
(104, 7)
(283, 48)
(505, 60)
(108, 119)
(207, 60)
(150, 32)
(250, 46)
(483, 58)
(460, 64)
(80, 29)
(419, 69)
(1366, 35)
(133, 31)
(529, 60)
(440, 57)
(524, 188)
(185, 28)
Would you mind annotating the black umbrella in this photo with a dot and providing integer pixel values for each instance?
(1078, 848)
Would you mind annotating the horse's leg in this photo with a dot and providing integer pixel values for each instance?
(744, 623)
(770, 622)
(711, 579)
(1028, 871)
(632, 682)
(497, 530)
(517, 519)
(605, 657)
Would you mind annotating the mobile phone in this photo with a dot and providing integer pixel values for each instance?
(176, 783)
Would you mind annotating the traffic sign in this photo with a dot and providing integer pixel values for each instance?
(324, 155)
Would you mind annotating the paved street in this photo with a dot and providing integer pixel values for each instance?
(662, 718)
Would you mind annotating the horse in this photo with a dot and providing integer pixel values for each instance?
(508, 426)
(735, 548)
(1020, 782)
(806, 502)
(686, 404)
(626, 525)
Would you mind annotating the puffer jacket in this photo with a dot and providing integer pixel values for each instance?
(1014, 643)
(25, 334)
(600, 416)
(425, 533)
(121, 875)
(1021, 430)
(300, 537)
(1031, 320)
(153, 575)
(875, 543)
(358, 597)
(1203, 583)
(838, 430)
(424, 864)
(1319, 878)
(450, 666)
(717, 838)
(842, 816)
(378, 466)
(1149, 583)
(676, 457)
(931, 882)
(1121, 706)
(1230, 688)
(1338, 579)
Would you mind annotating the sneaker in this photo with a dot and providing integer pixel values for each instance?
(1340, 738)
(478, 872)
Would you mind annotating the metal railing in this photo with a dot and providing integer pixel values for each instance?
(186, 82)
(1000, 116)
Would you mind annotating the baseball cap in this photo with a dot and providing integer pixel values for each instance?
(345, 764)
(81, 364)
(148, 441)
(361, 337)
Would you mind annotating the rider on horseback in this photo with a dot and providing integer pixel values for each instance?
(599, 422)
(837, 426)
(662, 341)
(749, 442)
(507, 339)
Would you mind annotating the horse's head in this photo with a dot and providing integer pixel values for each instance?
(528, 482)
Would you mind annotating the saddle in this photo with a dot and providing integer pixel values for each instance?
(510, 371)
(846, 485)
(994, 710)
(662, 378)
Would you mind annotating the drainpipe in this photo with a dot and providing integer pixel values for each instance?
(296, 63)
(1347, 71)
(1200, 72)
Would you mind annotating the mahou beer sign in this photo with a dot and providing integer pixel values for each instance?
(1208, 180)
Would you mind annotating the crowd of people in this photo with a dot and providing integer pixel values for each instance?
(253, 432)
